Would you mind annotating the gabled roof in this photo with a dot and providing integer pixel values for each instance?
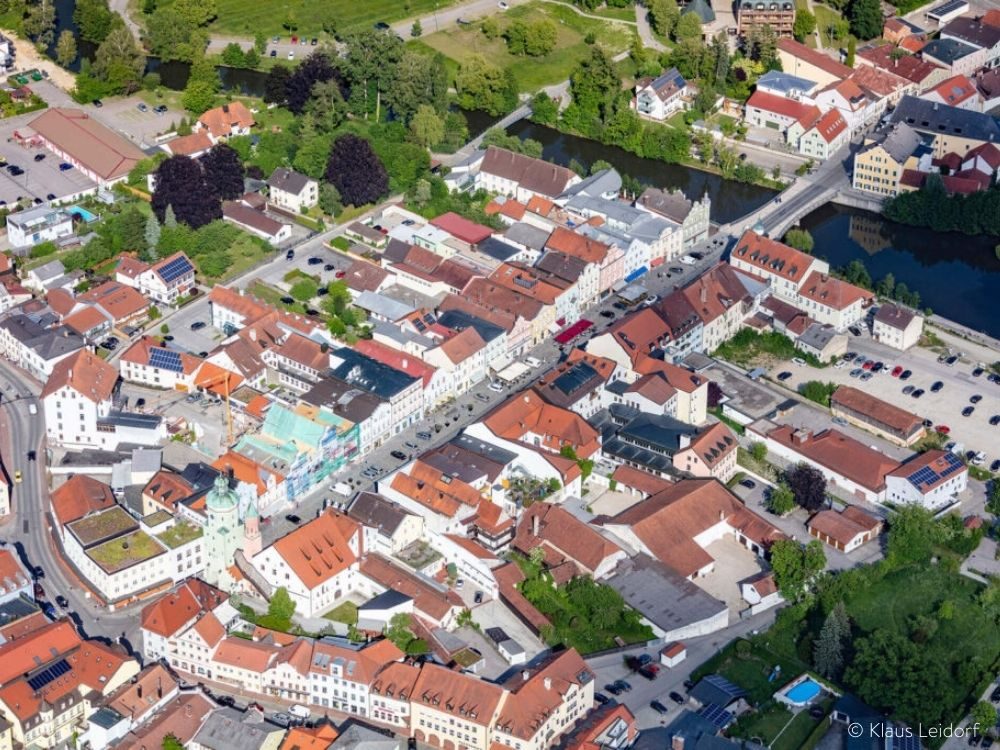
(141, 353)
(288, 180)
(713, 444)
(184, 604)
(461, 228)
(779, 105)
(829, 291)
(464, 696)
(772, 257)
(953, 91)
(221, 120)
(893, 316)
(910, 67)
(537, 693)
(86, 320)
(189, 145)
(78, 496)
(463, 345)
(120, 301)
(567, 241)
(830, 125)
(813, 57)
(887, 414)
(438, 492)
(526, 413)
(168, 488)
(319, 549)
(85, 373)
(426, 598)
(845, 525)
(90, 143)
(668, 522)
(533, 175)
(637, 479)
(568, 537)
(929, 470)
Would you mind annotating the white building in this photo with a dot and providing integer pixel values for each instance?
(40, 224)
(659, 98)
(167, 280)
(932, 479)
(148, 363)
(317, 563)
(291, 190)
(897, 327)
(79, 402)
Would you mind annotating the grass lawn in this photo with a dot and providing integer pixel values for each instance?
(751, 671)
(825, 17)
(751, 348)
(241, 17)
(765, 724)
(532, 73)
(618, 14)
(795, 734)
(346, 613)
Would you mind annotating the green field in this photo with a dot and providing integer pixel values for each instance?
(241, 17)
(824, 18)
(532, 73)
(618, 14)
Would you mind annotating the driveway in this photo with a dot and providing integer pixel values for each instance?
(733, 563)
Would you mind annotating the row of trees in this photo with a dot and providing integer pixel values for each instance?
(856, 273)
(931, 206)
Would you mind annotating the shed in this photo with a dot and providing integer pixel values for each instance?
(673, 654)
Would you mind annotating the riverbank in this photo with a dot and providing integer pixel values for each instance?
(28, 57)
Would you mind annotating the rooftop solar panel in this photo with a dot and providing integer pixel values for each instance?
(719, 716)
(47, 675)
(165, 359)
(175, 269)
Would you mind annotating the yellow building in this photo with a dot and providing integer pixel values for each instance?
(880, 163)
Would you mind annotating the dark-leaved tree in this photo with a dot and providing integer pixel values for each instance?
(356, 172)
(276, 84)
(224, 171)
(181, 184)
(314, 69)
(808, 485)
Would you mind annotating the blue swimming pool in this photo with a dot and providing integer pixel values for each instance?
(803, 692)
(83, 213)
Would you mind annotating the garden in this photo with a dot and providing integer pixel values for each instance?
(748, 347)
(585, 615)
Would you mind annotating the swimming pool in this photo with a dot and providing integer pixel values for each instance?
(83, 213)
(800, 692)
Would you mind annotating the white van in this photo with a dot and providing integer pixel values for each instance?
(532, 362)
(300, 712)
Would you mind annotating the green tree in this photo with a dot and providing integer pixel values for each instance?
(152, 233)
(312, 154)
(865, 17)
(688, 27)
(490, 28)
(419, 79)
(66, 48)
(913, 533)
(304, 289)
(198, 97)
(780, 500)
(805, 24)
(170, 742)
(993, 497)
(852, 48)
(251, 58)
(171, 36)
(762, 45)
(281, 605)
(329, 199)
(426, 127)
(416, 30)
(800, 239)
(984, 717)
(795, 566)
(891, 673)
(593, 86)
(196, 12)
(483, 85)
(663, 16)
(886, 286)
(828, 649)
(818, 391)
(120, 61)
(543, 109)
(232, 55)
(758, 450)
(398, 631)
(40, 21)
(95, 20)
(327, 106)
(370, 64)
(260, 42)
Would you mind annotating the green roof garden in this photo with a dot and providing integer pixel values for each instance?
(125, 551)
(103, 525)
(180, 533)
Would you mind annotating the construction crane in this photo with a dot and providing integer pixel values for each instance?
(224, 378)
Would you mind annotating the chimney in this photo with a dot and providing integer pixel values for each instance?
(535, 525)
(722, 515)
(677, 742)
(547, 682)
(525, 674)
(253, 334)
(405, 363)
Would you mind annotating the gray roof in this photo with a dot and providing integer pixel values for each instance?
(229, 729)
(402, 336)
(460, 320)
(382, 306)
(357, 736)
(50, 270)
(105, 717)
(44, 214)
(702, 9)
(528, 235)
(663, 597)
(386, 600)
(369, 374)
(972, 31)
(615, 211)
(377, 512)
(343, 399)
(785, 82)
(56, 342)
(562, 265)
(899, 141)
(674, 204)
(599, 183)
(288, 180)
(894, 316)
(147, 460)
(818, 336)
(511, 646)
(931, 117)
(497, 249)
(659, 432)
(947, 51)
(717, 690)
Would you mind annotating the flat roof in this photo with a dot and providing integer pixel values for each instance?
(102, 526)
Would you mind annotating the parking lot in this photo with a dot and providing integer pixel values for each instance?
(943, 407)
(41, 178)
(123, 115)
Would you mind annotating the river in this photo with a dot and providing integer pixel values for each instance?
(957, 276)
(173, 74)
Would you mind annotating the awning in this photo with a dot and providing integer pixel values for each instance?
(573, 331)
(636, 274)
(513, 372)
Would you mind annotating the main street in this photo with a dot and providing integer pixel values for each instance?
(27, 528)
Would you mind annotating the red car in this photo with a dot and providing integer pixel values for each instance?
(943, 429)
(869, 364)
(340, 274)
(897, 371)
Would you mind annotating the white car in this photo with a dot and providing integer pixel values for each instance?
(688, 260)
(496, 387)
(798, 361)
(291, 54)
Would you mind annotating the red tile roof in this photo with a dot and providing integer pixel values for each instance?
(884, 413)
(556, 427)
(461, 228)
(648, 484)
(168, 489)
(121, 302)
(86, 373)
(190, 145)
(772, 257)
(141, 351)
(814, 58)
(953, 91)
(320, 549)
(78, 496)
(221, 120)
(564, 534)
(829, 291)
(830, 125)
(427, 599)
(937, 460)
(843, 526)
(183, 605)
(779, 105)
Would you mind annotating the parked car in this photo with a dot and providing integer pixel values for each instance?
(62, 601)
(38, 573)
(849, 357)
(97, 103)
(424, 435)
(677, 697)
(975, 399)
(399, 455)
(623, 685)
(748, 483)
(601, 698)
(897, 371)
(798, 361)
(995, 420)
(951, 360)
(613, 689)
(160, 109)
(141, 106)
(908, 390)
(995, 466)
(288, 300)
(314, 261)
(856, 373)
(783, 376)
(478, 598)
(648, 672)
(290, 255)
(905, 375)
(65, 166)
(292, 518)
(39, 157)
(198, 325)
(937, 386)
(968, 411)
(918, 393)
(943, 429)
(607, 314)
(657, 706)
(340, 274)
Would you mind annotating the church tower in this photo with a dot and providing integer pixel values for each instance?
(222, 533)
(251, 531)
